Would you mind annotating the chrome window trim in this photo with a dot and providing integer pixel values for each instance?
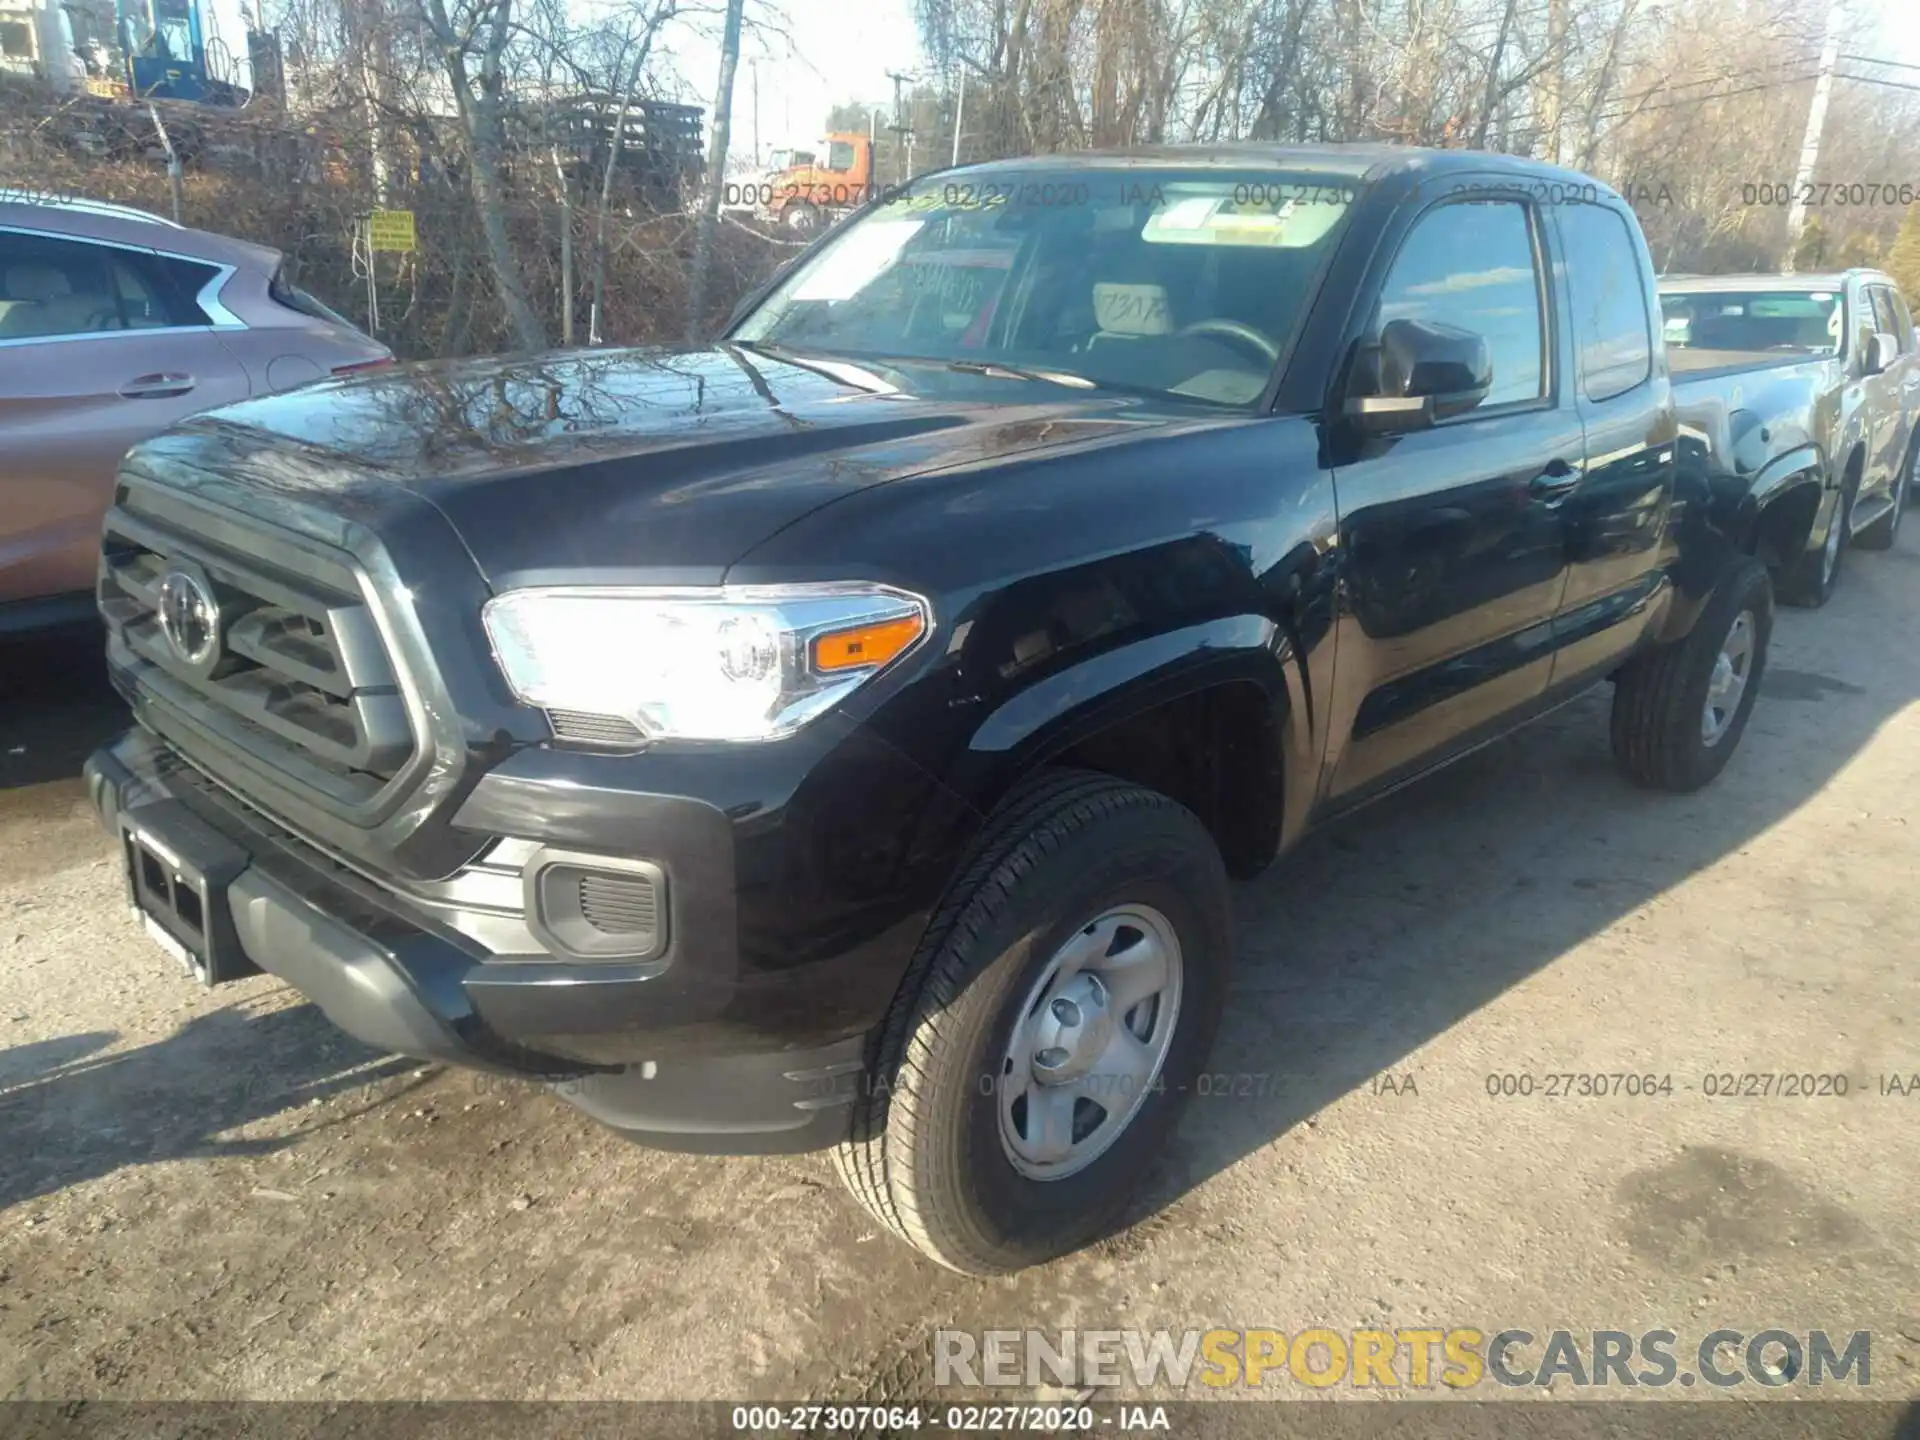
(208, 297)
(78, 205)
(20, 340)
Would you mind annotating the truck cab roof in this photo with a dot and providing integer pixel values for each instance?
(1370, 162)
(1820, 280)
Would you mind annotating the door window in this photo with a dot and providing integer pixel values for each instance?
(51, 287)
(1472, 264)
(1883, 320)
(1611, 327)
(1903, 321)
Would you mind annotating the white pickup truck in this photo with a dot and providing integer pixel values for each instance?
(1824, 365)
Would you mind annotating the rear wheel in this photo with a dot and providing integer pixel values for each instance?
(1881, 534)
(1810, 583)
(1679, 711)
(1048, 1030)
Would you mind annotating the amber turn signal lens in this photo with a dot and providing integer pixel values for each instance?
(866, 645)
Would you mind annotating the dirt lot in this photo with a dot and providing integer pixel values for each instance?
(211, 1195)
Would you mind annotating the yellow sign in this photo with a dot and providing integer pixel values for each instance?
(390, 230)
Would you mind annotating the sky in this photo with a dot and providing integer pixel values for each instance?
(837, 51)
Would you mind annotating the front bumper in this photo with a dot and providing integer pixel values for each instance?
(649, 1053)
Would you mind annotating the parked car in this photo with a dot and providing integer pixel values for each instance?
(1824, 366)
(843, 736)
(114, 324)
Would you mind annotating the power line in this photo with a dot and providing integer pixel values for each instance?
(1666, 89)
(1872, 80)
(1876, 60)
(1706, 99)
(1534, 131)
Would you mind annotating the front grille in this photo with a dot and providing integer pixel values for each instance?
(620, 905)
(298, 679)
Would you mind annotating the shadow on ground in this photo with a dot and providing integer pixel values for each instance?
(1384, 930)
(69, 1114)
(56, 706)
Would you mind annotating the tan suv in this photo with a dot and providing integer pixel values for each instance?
(115, 323)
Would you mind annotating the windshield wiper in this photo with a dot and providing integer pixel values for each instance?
(991, 368)
(998, 371)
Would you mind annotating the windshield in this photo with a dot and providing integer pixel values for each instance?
(1179, 282)
(1809, 321)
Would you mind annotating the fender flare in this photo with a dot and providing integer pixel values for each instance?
(1061, 710)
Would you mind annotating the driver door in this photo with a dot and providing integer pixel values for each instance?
(92, 359)
(1453, 550)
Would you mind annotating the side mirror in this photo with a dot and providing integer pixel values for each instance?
(1426, 372)
(1882, 350)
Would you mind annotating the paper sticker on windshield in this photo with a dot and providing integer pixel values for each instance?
(860, 255)
(1216, 220)
(1131, 309)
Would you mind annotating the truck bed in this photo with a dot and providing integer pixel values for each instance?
(1689, 364)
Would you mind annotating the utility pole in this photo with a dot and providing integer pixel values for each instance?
(899, 127)
(1554, 82)
(753, 75)
(959, 117)
(1816, 123)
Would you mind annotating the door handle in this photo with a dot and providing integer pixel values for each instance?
(1554, 482)
(157, 387)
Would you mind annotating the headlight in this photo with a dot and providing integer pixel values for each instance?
(737, 662)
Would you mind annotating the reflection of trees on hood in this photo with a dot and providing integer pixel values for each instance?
(462, 417)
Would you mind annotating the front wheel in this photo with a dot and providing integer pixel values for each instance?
(1052, 1023)
(1679, 711)
(1810, 583)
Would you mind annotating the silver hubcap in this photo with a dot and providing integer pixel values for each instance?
(1092, 1035)
(1730, 672)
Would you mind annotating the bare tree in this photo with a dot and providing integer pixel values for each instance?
(472, 51)
(716, 172)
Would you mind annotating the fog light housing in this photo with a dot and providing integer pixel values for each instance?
(598, 907)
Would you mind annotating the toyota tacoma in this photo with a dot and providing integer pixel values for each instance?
(842, 736)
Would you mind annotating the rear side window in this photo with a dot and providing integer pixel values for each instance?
(1612, 330)
(185, 280)
(1471, 264)
(51, 288)
(1883, 320)
(1902, 320)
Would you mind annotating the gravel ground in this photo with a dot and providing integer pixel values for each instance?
(216, 1195)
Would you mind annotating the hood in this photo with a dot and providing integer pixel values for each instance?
(594, 465)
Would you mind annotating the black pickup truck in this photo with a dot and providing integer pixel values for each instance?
(842, 736)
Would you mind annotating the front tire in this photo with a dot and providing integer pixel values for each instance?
(1679, 711)
(1049, 1029)
(1810, 583)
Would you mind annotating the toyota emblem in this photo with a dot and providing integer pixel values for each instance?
(190, 616)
